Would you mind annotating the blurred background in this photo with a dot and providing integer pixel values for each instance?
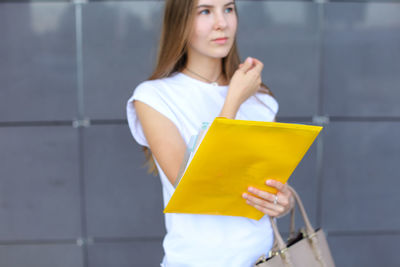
(73, 191)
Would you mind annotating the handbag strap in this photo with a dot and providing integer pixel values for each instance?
(309, 229)
(281, 245)
(292, 230)
(311, 235)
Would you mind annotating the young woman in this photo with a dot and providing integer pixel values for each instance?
(198, 77)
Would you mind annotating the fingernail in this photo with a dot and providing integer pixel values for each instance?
(244, 195)
(269, 182)
(251, 189)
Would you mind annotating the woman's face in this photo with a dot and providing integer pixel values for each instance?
(214, 29)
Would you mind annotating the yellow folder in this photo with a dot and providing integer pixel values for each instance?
(236, 154)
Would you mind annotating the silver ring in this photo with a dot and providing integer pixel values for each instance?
(276, 199)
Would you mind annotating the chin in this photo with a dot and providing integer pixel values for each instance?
(221, 54)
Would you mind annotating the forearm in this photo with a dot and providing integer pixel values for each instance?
(230, 107)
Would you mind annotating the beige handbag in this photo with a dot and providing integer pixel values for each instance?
(307, 248)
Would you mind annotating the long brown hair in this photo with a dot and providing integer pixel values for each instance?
(172, 52)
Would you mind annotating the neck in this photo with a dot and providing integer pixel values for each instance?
(209, 68)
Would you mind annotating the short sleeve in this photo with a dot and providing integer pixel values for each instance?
(259, 107)
(149, 93)
(269, 102)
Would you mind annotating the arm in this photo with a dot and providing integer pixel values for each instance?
(264, 201)
(165, 141)
(244, 83)
(260, 199)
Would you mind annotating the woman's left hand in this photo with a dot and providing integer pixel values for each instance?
(270, 204)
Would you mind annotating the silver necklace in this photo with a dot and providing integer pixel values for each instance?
(204, 78)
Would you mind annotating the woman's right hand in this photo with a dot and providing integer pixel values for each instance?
(246, 80)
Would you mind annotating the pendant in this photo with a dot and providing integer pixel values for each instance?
(214, 83)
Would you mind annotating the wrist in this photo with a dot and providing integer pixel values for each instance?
(230, 107)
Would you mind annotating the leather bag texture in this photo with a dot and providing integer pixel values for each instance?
(304, 248)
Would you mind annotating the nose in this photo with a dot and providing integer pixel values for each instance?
(220, 21)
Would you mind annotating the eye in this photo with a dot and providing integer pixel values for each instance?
(229, 10)
(204, 12)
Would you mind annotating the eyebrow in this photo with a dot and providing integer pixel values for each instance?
(210, 6)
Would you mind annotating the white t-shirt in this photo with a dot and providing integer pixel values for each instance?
(202, 240)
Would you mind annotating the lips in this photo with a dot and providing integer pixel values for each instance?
(221, 40)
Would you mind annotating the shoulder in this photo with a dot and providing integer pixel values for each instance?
(157, 94)
(156, 87)
(147, 87)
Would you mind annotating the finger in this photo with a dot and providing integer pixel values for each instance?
(262, 194)
(256, 61)
(248, 64)
(278, 185)
(283, 199)
(253, 200)
(269, 212)
(266, 205)
(258, 66)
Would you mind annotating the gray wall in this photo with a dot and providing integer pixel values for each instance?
(72, 188)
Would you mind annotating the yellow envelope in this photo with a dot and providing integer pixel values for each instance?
(236, 154)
